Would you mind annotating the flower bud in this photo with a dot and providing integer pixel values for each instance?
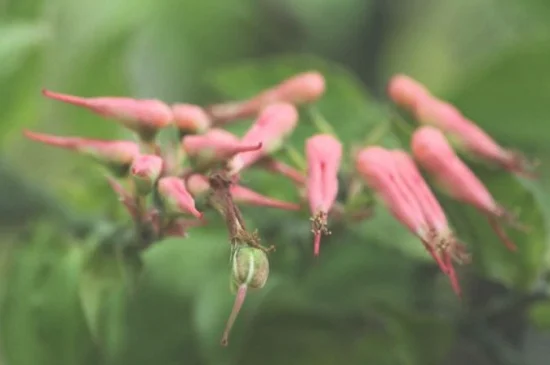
(323, 154)
(175, 198)
(216, 145)
(143, 116)
(432, 150)
(405, 91)
(146, 170)
(395, 185)
(470, 137)
(250, 269)
(190, 119)
(117, 155)
(275, 123)
(299, 89)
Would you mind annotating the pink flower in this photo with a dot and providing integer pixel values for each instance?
(115, 154)
(432, 150)
(275, 123)
(442, 244)
(190, 119)
(406, 92)
(198, 186)
(175, 197)
(299, 89)
(216, 145)
(323, 154)
(143, 116)
(393, 181)
(145, 170)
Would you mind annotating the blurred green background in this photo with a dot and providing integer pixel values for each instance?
(373, 297)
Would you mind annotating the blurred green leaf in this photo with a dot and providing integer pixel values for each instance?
(513, 109)
(518, 269)
(539, 314)
(107, 282)
(42, 321)
(17, 41)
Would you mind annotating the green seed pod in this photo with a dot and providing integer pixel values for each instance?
(250, 268)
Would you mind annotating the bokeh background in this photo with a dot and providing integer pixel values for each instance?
(373, 297)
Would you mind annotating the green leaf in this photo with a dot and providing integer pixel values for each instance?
(42, 319)
(107, 282)
(518, 269)
(508, 96)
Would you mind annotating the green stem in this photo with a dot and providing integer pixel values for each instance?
(320, 122)
(296, 157)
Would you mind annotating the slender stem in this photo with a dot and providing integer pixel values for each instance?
(239, 300)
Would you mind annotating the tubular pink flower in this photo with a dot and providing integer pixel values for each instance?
(430, 110)
(385, 175)
(216, 145)
(175, 197)
(446, 245)
(115, 154)
(323, 154)
(432, 150)
(198, 185)
(190, 119)
(275, 123)
(299, 89)
(143, 116)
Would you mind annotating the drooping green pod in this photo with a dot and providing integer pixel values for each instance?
(250, 266)
(250, 269)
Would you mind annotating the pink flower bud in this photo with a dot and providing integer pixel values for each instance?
(386, 173)
(117, 155)
(469, 136)
(445, 242)
(175, 197)
(146, 170)
(216, 145)
(198, 185)
(323, 154)
(432, 150)
(143, 116)
(190, 118)
(405, 91)
(275, 123)
(299, 89)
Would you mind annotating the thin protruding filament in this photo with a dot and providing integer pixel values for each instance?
(501, 234)
(239, 300)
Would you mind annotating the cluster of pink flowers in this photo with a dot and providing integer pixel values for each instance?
(159, 184)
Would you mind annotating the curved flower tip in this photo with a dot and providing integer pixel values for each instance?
(145, 170)
(405, 91)
(274, 124)
(175, 197)
(144, 116)
(216, 145)
(432, 150)
(116, 154)
(519, 164)
(190, 118)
